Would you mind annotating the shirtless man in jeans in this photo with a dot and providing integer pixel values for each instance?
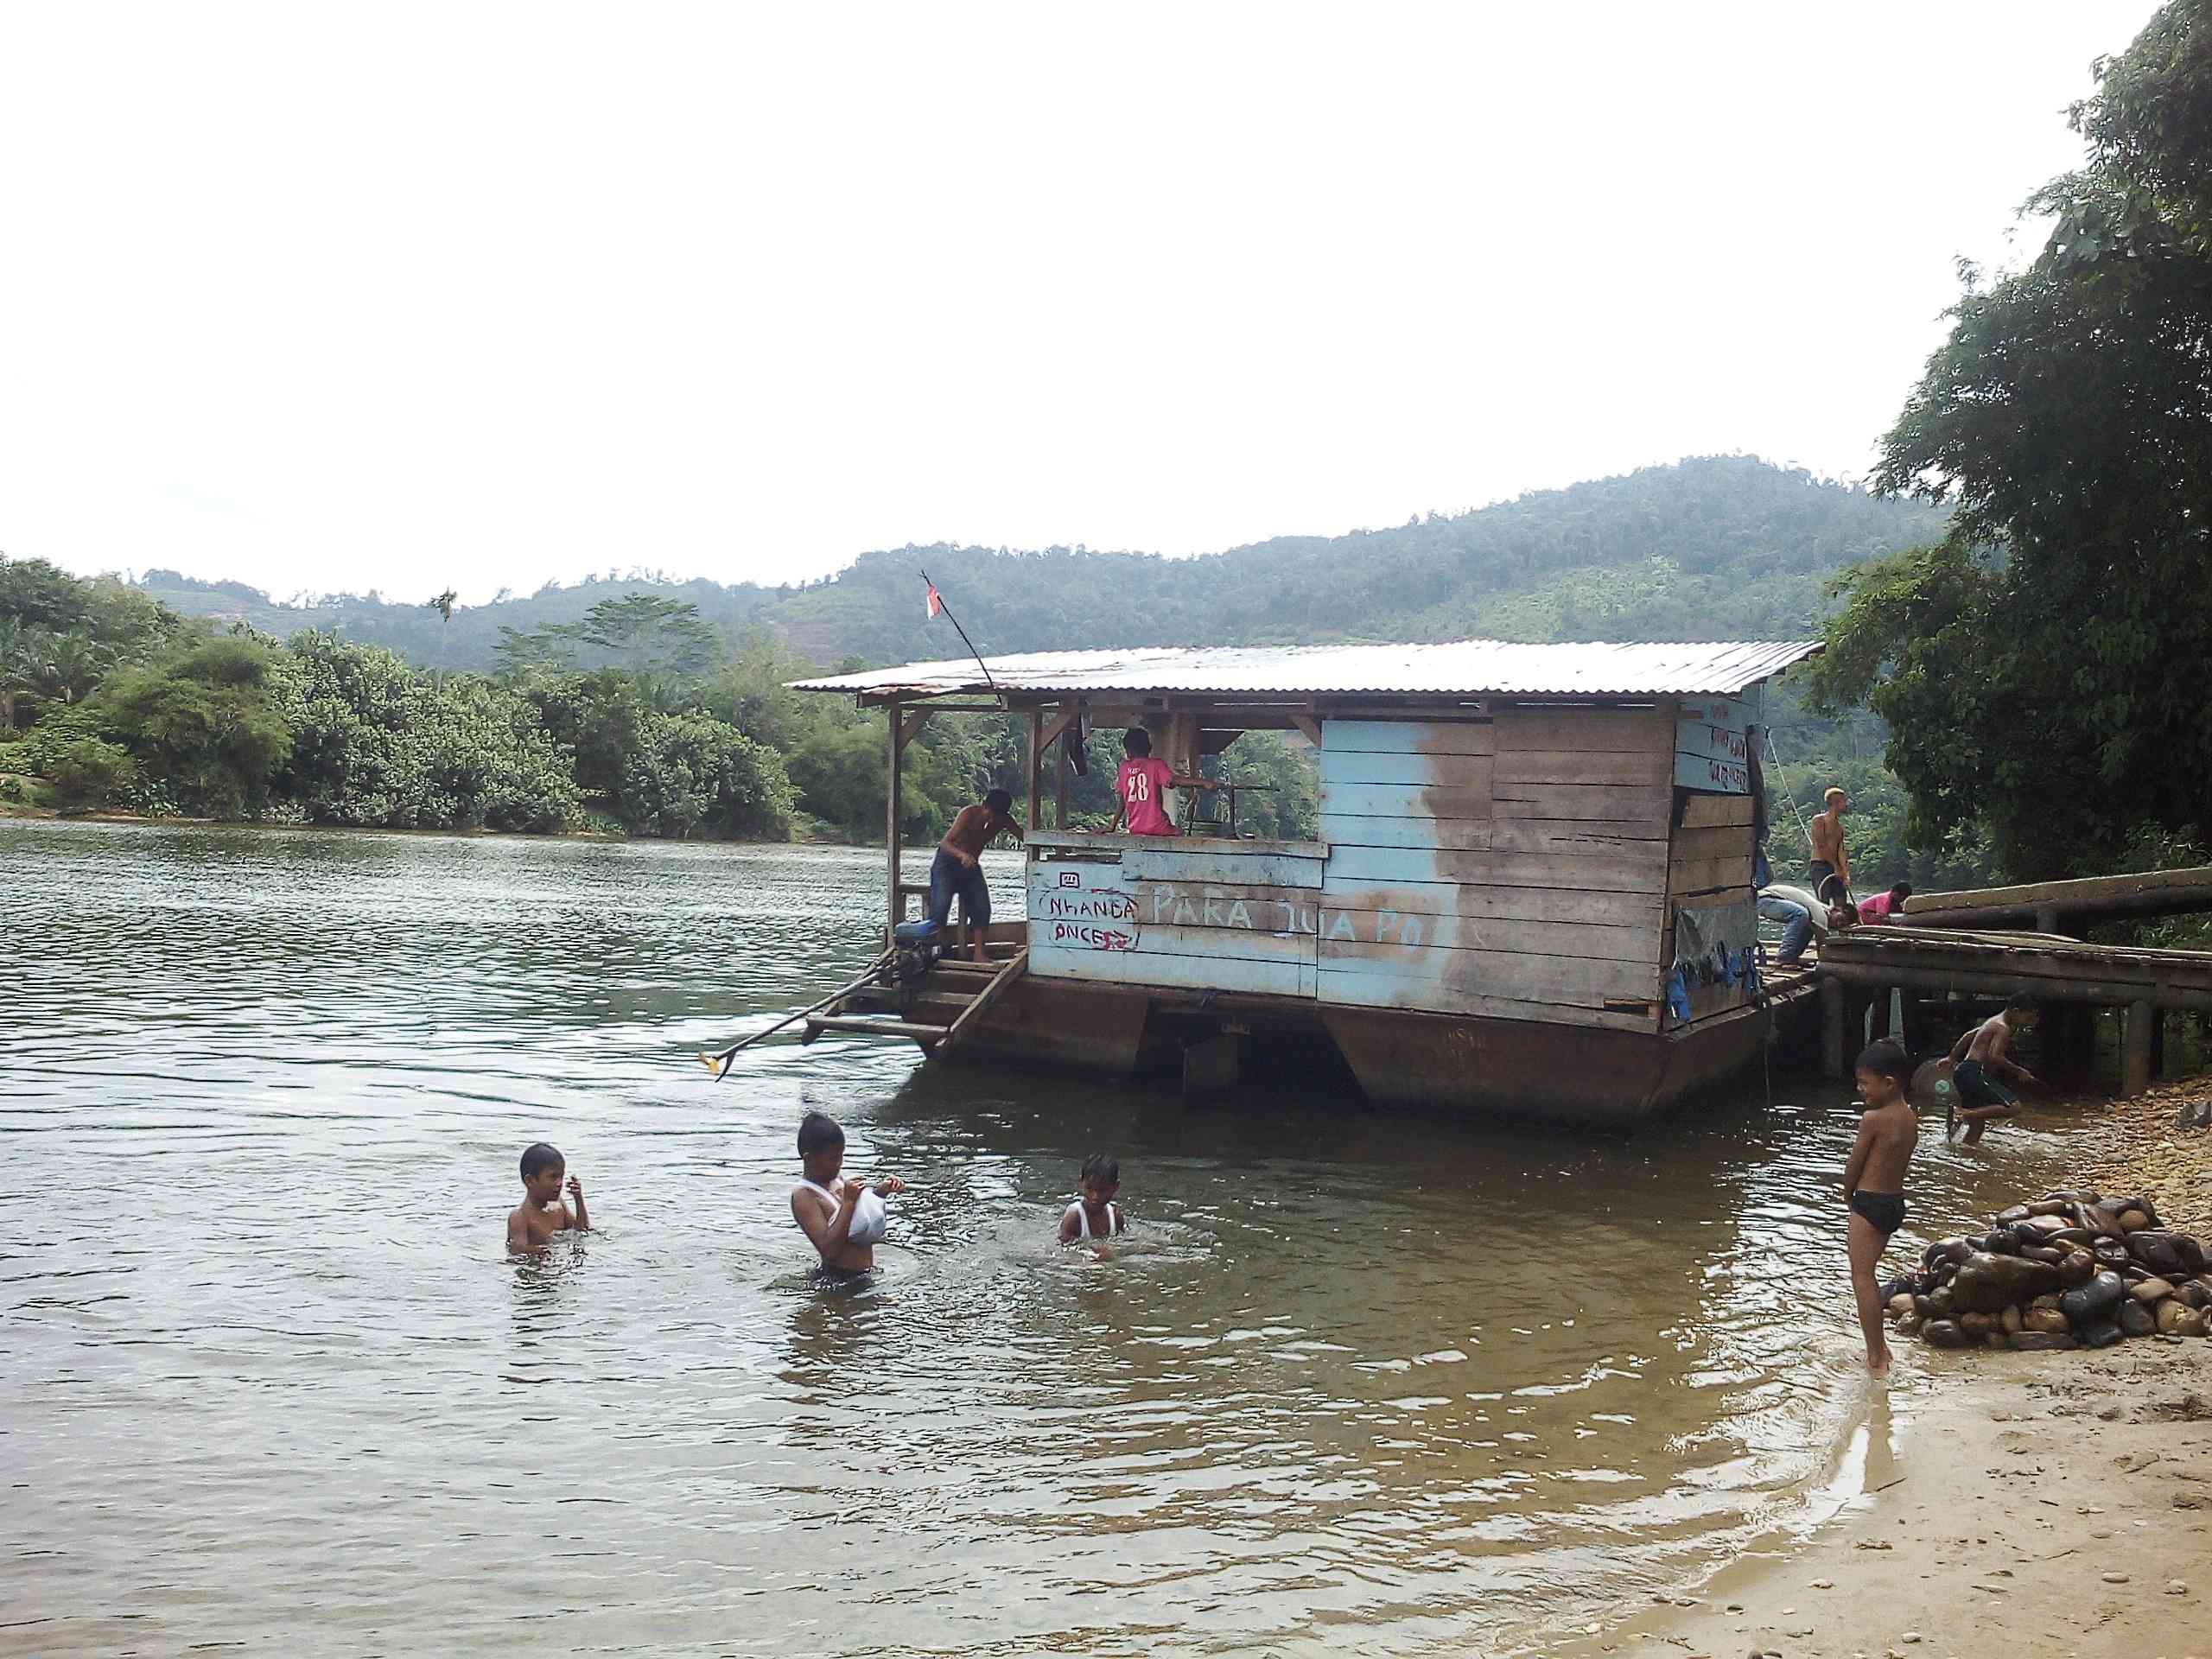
(1830, 862)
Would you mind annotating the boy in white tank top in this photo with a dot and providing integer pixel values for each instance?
(1093, 1215)
(843, 1220)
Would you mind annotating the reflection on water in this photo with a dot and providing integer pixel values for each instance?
(1356, 1381)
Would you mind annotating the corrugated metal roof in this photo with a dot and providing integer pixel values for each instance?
(1464, 668)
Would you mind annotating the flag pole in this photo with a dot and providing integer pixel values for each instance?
(964, 639)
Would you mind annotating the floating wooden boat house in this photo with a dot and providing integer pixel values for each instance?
(1531, 894)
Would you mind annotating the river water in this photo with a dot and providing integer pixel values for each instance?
(1357, 1382)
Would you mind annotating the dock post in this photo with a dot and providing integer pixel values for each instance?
(2135, 1049)
(1833, 1061)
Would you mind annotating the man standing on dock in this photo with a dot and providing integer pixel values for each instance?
(1830, 862)
(957, 869)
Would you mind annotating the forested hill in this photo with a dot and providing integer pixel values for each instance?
(1719, 547)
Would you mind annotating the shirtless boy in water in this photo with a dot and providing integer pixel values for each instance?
(1873, 1177)
(542, 1214)
(1982, 1052)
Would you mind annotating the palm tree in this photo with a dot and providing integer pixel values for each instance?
(443, 605)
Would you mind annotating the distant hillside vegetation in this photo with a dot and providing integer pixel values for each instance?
(1716, 547)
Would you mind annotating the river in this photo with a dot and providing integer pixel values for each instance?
(1357, 1382)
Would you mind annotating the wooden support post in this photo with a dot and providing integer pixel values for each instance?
(1059, 786)
(1912, 1022)
(896, 902)
(1036, 813)
(1833, 1058)
(2135, 1052)
(2157, 1044)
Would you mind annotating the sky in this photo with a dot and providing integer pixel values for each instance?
(333, 298)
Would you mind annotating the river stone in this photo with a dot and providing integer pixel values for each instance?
(1948, 1250)
(2045, 1225)
(2100, 1333)
(2044, 1254)
(2049, 1298)
(2009, 1319)
(1900, 1305)
(2048, 1320)
(2137, 1320)
(2169, 1315)
(2111, 1253)
(1942, 1333)
(2078, 1268)
(1993, 1339)
(2092, 1301)
(2193, 1322)
(1977, 1325)
(2152, 1291)
(2039, 1342)
(1987, 1283)
(2193, 1294)
(2046, 1209)
(1941, 1303)
(2013, 1213)
(2160, 1252)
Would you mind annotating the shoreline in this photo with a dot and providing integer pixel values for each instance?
(19, 812)
(1981, 1505)
(2012, 1503)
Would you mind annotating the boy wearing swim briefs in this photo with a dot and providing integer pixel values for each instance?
(542, 1214)
(1979, 1053)
(1873, 1179)
(1093, 1215)
(844, 1220)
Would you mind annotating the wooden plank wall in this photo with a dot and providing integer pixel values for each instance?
(1179, 918)
(1514, 866)
(1709, 857)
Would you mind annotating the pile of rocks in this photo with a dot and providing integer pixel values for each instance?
(2070, 1270)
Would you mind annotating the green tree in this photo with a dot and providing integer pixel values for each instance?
(90, 771)
(660, 641)
(2037, 667)
(204, 723)
(695, 775)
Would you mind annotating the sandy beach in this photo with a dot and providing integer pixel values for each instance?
(1993, 1503)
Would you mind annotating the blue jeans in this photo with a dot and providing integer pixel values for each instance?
(950, 877)
(1797, 924)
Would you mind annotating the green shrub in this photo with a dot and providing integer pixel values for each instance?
(91, 772)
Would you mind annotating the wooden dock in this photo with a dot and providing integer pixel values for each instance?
(2050, 971)
(2062, 906)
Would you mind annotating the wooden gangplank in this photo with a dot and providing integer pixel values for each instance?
(2055, 906)
(2037, 968)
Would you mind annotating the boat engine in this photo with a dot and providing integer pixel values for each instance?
(916, 948)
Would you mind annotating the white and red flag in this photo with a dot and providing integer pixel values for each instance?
(936, 602)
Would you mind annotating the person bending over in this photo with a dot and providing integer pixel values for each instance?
(1884, 906)
(1978, 1059)
(957, 869)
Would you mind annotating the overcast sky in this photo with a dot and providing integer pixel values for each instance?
(328, 297)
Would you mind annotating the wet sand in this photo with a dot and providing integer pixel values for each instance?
(1987, 1524)
(2057, 1505)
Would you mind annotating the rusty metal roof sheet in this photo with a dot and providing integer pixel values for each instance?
(1463, 668)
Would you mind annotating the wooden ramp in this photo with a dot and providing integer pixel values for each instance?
(954, 999)
(2058, 906)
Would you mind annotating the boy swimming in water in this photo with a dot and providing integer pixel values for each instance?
(542, 1213)
(1873, 1177)
(1093, 1215)
(843, 1220)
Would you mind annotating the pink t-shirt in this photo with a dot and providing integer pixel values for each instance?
(1876, 909)
(1138, 785)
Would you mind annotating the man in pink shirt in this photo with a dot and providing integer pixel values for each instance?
(1880, 907)
(1139, 785)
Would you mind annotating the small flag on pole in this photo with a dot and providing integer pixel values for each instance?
(936, 603)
